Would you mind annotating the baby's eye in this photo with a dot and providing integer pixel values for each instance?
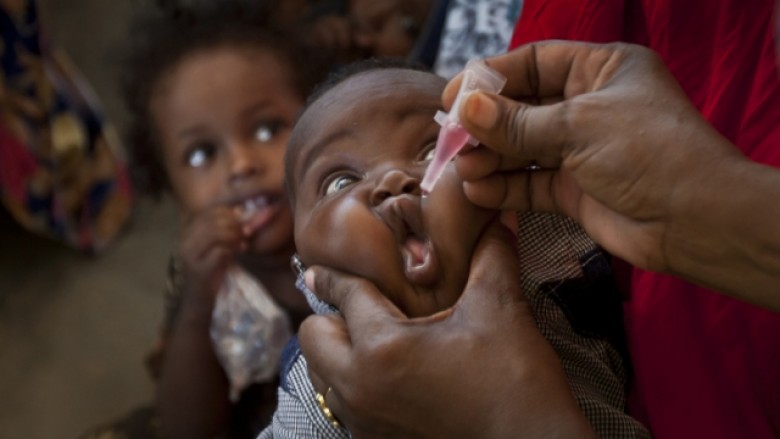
(339, 183)
(429, 152)
(265, 132)
(200, 154)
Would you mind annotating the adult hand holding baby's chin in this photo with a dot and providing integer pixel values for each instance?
(479, 369)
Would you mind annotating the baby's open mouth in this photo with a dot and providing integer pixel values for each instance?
(415, 252)
(403, 214)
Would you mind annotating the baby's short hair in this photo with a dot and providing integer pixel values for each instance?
(341, 74)
(335, 78)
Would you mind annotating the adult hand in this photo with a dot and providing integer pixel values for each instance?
(479, 369)
(625, 153)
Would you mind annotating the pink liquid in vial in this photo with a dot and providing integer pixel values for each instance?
(452, 138)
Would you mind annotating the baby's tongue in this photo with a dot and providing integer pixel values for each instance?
(417, 252)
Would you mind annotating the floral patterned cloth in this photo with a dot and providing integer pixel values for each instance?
(62, 174)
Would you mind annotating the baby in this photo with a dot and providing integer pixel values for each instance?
(354, 164)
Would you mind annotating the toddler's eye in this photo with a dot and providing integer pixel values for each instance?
(265, 132)
(199, 155)
(339, 183)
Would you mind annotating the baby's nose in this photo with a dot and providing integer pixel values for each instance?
(394, 183)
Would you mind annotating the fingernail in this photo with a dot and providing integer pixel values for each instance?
(481, 110)
(308, 279)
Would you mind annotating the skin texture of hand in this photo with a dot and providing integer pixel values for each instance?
(479, 369)
(210, 240)
(193, 388)
(625, 153)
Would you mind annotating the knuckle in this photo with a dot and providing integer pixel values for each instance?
(323, 283)
(514, 121)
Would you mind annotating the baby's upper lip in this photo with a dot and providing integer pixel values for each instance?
(404, 216)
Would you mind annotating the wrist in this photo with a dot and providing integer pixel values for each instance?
(198, 302)
(726, 236)
(186, 297)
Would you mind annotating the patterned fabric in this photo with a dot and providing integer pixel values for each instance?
(555, 253)
(298, 415)
(61, 171)
(475, 29)
(563, 273)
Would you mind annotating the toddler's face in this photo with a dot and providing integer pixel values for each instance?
(357, 157)
(223, 117)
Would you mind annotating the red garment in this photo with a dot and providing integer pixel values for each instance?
(705, 365)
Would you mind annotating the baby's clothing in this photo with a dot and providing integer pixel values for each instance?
(567, 281)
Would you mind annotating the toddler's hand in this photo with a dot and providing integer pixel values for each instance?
(210, 241)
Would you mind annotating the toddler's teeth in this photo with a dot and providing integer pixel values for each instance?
(249, 209)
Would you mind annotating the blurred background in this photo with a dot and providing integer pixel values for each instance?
(74, 329)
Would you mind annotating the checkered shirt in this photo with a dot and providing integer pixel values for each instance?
(560, 268)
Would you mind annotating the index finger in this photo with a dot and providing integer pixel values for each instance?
(543, 70)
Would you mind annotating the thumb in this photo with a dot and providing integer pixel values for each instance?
(360, 301)
(494, 280)
(517, 130)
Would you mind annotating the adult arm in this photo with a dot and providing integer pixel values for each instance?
(479, 369)
(627, 155)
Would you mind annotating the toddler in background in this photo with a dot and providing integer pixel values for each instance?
(353, 168)
(214, 91)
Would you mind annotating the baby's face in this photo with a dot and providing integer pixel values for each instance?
(223, 117)
(357, 157)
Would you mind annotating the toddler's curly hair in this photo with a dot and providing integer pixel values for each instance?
(174, 30)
